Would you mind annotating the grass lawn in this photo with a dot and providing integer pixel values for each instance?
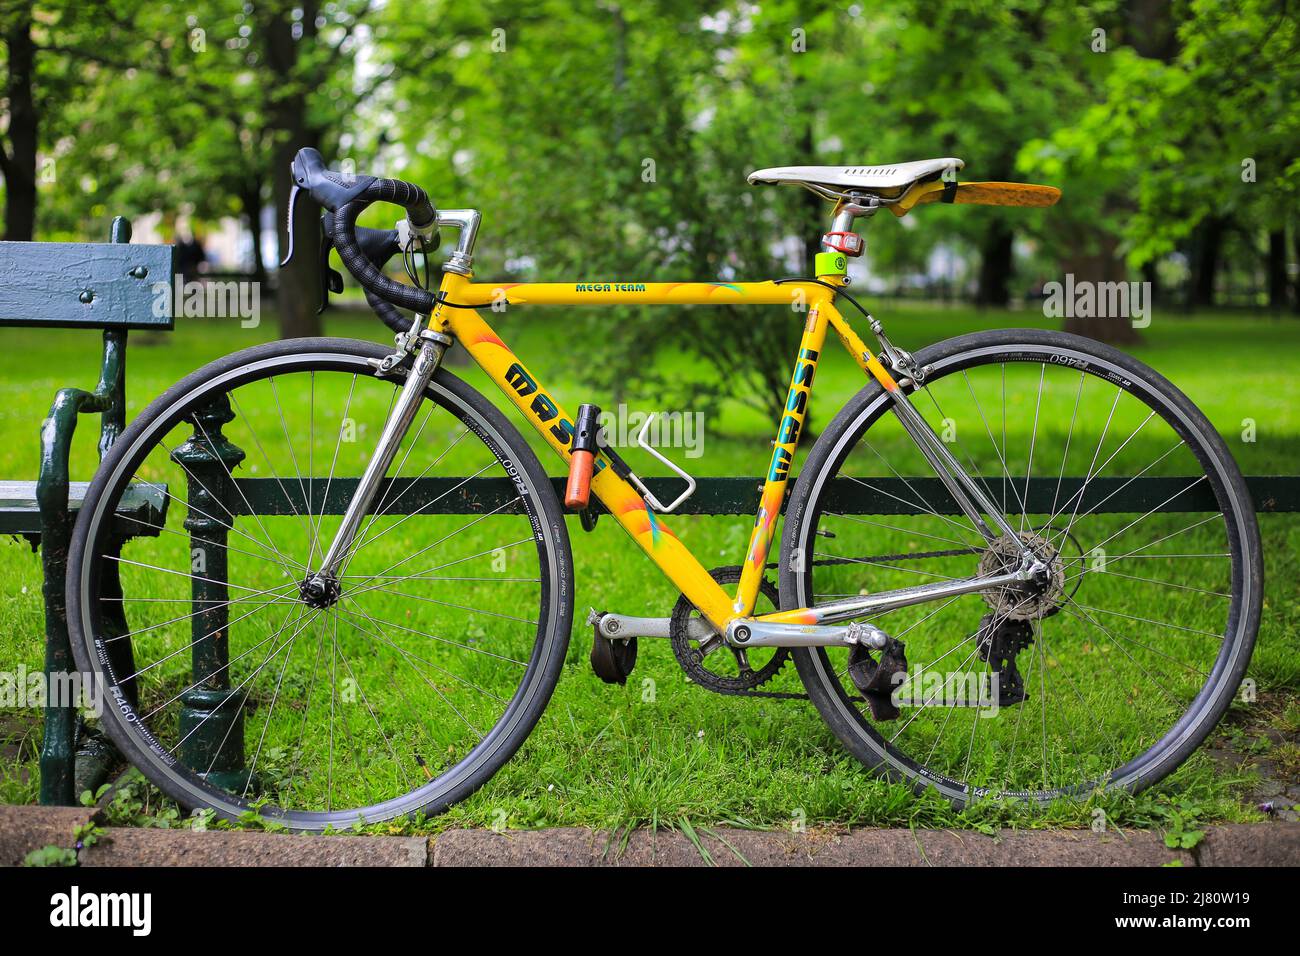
(661, 750)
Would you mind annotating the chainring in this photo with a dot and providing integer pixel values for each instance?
(693, 658)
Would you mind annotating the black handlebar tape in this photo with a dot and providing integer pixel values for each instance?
(345, 241)
(408, 195)
(378, 246)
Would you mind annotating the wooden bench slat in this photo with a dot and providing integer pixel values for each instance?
(142, 505)
(45, 282)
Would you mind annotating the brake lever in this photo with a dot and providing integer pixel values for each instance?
(293, 202)
(331, 280)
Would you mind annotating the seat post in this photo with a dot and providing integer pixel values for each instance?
(842, 241)
(850, 207)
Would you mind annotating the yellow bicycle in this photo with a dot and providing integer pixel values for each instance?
(1016, 563)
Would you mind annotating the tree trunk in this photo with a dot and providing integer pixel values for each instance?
(299, 289)
(816, 209)
(251, 201)
(19, 162)
(1096, 262)
(1295, 291)
(1207, 247)
(1151, 276)
(1277, 284)
(995, 266)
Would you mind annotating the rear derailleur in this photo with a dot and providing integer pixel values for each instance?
(998, 645)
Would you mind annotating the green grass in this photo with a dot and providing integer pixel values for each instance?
(660, 750)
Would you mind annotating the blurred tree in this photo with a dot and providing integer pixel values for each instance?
(18, 140)
(613, 138)
(37, 80)
(1192, 139)
(202, 112)
(975, 79)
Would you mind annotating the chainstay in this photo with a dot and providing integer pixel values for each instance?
(886, 558)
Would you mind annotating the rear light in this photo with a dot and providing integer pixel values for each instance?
(849, 243)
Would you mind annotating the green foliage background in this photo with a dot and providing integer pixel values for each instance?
(610, 138)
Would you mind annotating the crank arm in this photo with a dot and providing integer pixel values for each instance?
(623, 627)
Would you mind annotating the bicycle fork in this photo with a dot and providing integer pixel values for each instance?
(322, 588)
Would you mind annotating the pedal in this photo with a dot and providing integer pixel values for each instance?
(877, 680)
(612, 660)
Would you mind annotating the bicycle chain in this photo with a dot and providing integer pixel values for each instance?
(874, 559)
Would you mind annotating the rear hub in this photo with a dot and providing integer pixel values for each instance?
(1030, 600)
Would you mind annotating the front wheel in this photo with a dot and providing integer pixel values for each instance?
(234, 687)
(1107, 672)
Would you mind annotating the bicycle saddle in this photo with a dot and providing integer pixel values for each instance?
(833, 181)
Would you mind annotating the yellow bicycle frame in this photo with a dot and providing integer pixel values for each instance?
(458, 316)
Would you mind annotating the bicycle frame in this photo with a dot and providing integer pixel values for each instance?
(458, 316)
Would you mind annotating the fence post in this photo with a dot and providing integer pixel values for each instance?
(211, 721)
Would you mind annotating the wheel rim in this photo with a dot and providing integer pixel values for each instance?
(1091, 732)
(395, 697)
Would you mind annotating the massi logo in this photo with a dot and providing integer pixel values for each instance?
(76, 909)
(1098, 300)
(211, 300)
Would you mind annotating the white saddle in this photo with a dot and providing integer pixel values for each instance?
(834, 181)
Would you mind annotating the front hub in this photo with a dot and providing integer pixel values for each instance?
(320, 591)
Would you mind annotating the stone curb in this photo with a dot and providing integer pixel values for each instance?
(1268, 844)
(23, 829)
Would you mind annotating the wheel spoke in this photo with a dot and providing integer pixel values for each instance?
(1115, 641)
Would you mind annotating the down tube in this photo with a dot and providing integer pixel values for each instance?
(546, 415)
(783, 448)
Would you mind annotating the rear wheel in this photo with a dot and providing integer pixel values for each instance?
(1113, 668)
(233, 687)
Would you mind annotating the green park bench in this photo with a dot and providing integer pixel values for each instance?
(107, 286)
(110, 287)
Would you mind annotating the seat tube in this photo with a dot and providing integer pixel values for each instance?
(783, 448)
